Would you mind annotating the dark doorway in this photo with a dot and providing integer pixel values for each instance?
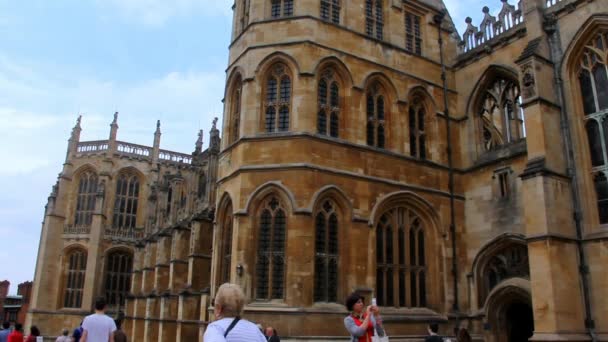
(520, 322)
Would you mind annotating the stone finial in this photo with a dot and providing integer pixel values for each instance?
(214, 123)
(157, 126)
(115, 121)
(198, 147)
(214, 142)
(114, 127)
(76, 130)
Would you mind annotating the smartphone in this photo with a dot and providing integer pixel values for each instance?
(374, 302)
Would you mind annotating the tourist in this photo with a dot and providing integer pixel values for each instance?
(360, 325)
(433, 329)
(64, 336)
(77, 334)
(17, 334)
(34, 332)
(228, 326)
(5, 331)
(271, 335)
(98, 327)
(119, 335)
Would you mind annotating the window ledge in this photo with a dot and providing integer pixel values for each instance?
(503, 152)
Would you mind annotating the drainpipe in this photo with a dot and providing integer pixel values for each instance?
(557, 56)
(438, 19)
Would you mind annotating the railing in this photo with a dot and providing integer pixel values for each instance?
(175, 157)
(133, 149)
(490, 27)
(124, 233)
(76, 230)
(93, 146)
(549, 3)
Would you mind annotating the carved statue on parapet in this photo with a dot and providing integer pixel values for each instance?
(214, 143)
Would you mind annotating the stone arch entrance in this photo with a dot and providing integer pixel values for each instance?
(509, 312)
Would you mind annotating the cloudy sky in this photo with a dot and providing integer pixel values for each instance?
(147, 59)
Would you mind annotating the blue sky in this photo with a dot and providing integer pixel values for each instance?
(147, 59)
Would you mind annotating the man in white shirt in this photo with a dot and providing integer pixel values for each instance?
(98, 327)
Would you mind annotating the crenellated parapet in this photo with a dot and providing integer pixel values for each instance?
(491, 27)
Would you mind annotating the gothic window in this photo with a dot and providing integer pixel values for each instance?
(278, 100)
(281, 8)
(508, 262)
(330, 10)
(244, 14)
(85, 201)
(235, 111)
(76, 268)
(118, 277)
(373, 18)
(226, 246)
(326, 253)
(501, 115)
(329, 105)
(125, 205)
(593, 81)
(400, 259)
(375, 104)
(413, 36)
(417, 132)
(270, 264)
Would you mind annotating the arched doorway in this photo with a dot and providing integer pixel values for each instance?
(520, 322)
(509, 312)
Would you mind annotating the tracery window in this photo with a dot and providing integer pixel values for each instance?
(374, 23)
(226, 246)
(281, 8)
(235, 111)
(417, 132)
(118, 277)
(270, 263)
(329, 105)
(330, 10)
(501, 115)
(85, 200)
(278, 99)
(76, 269)
(508, 262)
(326, 253)
(375, 105)
(413, 36)
(593, 81)
(400, 274)
(125, 205)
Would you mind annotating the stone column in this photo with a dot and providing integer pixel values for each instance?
(95, 253)
(179, 259)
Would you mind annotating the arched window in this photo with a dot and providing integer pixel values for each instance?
(76, 269)
(281, 8)
(374, 23)
(507, 262)
(330, 10)
(329, 105)
(125, 205)
(375, 104)
(235, 111)
(226, 245)
(326, 253)
(417, 133)
(85, 201)
(501, 115)
(278, 99)
(593, 81)
(118, 277)
(270, 264)
(400, 275)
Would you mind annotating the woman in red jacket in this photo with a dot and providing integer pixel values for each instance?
(17, 334)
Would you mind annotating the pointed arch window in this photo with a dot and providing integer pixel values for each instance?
(375, 108)
(226, 246)
(76, 269)
(270, 263)
(501, 115)
(401, 269)
(328, 105)
(235, 111)
(278, 100)
(330, 10)
(326, 253)
(127, 197)
(85, 200)
(118, 277)
(413, 36)
(374, 23)
(281, 8)
(417, 114)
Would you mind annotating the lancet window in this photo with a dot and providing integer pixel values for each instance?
(374, 23)
(328, 105)
(417, 129)
(244, 14)
(593, 81)
(85, 201)
(118, 277)
(125, 205)
(330, 10)
(281, 8)
(501, 115)
(226, 245)
(375, 108)
(400, 259)
(235, 110)
(278, 99)
(270, 264)
(413, 36)
(76, 269)
(326, 253)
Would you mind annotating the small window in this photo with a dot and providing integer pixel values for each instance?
(375, 117)
(503, 182)
(278, 100)
(281, 8)
(413, 36)
(374, 23)
(330, 10)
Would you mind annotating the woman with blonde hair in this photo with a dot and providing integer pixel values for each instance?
(229, 326)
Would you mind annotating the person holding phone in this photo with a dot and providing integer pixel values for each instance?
(360, 323)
